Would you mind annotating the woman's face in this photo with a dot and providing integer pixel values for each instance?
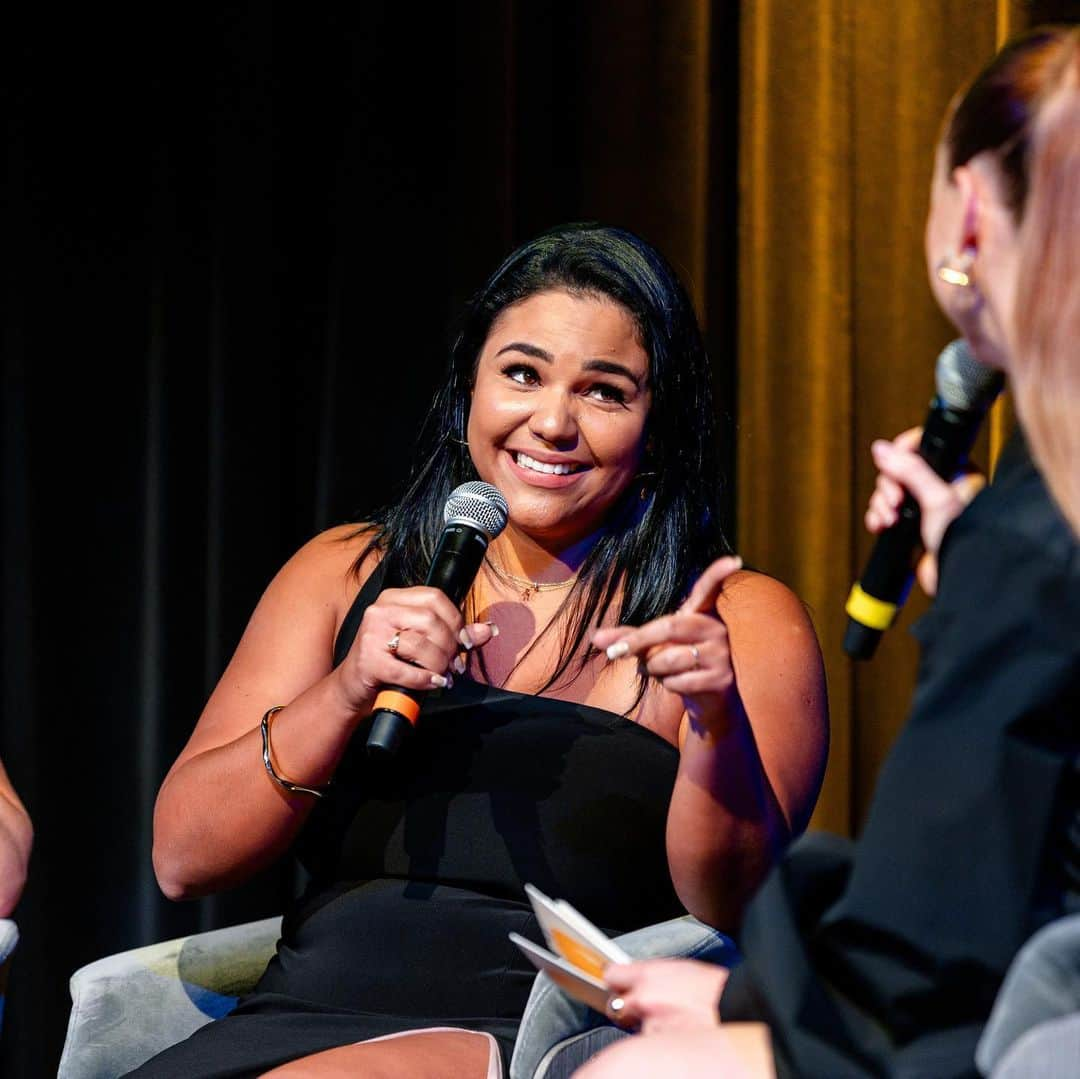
(558, 412)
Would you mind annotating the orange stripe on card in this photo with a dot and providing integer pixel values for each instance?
(582, 956)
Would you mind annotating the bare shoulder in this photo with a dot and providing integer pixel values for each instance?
(326, 565)
(774, 647)
(754, 604)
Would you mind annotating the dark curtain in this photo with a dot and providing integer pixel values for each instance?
(234, 241)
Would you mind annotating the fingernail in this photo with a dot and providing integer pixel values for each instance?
(738, 562)
(465, 639)
(617, 650)
(880, 446)
(494, 628)
(458, 665)
(439, 681)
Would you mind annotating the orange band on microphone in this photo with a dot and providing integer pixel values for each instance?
(394, 701)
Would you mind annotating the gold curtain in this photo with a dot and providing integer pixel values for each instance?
(841, 101)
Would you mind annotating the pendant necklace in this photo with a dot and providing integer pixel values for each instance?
(526, 587)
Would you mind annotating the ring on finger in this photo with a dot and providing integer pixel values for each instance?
(696, 653)
(393, 643)
(616, 1005)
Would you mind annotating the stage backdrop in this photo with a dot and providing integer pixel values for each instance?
(234, 241)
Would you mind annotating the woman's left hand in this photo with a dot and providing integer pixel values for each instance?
(662, 995)
(686, 652)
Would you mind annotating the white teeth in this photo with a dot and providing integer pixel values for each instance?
(526, 461)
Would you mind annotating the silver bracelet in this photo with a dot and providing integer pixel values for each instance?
(281, 781)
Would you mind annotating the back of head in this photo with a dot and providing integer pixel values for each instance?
(1047, 315)
(1024, 110)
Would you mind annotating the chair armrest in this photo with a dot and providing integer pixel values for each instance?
(127, 1007)
(1042, 984)
(9, 938)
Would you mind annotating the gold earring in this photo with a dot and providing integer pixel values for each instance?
(957, 270)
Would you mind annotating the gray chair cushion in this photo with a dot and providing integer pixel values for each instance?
(1042, 983)
(128, 1007)
(1050, 1050)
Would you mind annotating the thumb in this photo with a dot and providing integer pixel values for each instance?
(620, 976)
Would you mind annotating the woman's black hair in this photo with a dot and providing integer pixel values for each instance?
(665, 530)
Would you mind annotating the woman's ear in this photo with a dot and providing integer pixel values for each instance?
(969, 186)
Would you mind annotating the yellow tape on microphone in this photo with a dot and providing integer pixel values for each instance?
(869, 611)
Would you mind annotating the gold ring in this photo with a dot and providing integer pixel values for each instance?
(392, 644)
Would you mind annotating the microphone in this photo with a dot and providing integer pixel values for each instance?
(475, 513)
(965, 390)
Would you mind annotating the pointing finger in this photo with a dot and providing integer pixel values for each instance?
(702, 598)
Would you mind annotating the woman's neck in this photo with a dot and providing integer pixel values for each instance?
(523, 556)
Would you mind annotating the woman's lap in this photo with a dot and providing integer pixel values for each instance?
(435, 1053)
(267, 1032)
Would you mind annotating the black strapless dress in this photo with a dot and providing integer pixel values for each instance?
(417, 868)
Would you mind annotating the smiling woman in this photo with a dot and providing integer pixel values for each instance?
(558, 415)
(638, 725)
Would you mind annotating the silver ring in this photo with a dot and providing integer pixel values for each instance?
(616, 1005)
(696, 654)
(392, 644)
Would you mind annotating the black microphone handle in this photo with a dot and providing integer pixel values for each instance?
(884, 585)
(453, 569)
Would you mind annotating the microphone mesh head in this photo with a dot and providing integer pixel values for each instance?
(477, 504)
(962, 382)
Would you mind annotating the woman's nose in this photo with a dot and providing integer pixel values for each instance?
(553, 417)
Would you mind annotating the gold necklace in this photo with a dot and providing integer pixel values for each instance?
(526, 586)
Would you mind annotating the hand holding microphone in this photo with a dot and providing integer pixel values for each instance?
(965, 390)
(475, 514)
(902, 470)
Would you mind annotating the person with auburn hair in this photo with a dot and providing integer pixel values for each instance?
(622, 716)
(884, 956)
(16, 840)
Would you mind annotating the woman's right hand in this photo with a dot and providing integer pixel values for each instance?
(662, 995)
(409, 637)
(940, 503)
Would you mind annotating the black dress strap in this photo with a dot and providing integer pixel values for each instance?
(351, 623)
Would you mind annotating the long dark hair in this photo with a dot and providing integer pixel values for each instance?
(666, 529)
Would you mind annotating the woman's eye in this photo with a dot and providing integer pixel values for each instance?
(522, 374)
(607, 393)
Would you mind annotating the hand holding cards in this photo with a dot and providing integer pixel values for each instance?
(579, 951)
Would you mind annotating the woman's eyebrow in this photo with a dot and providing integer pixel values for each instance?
(530, 350)
(608, 367)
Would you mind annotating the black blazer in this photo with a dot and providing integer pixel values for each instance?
(883, 957)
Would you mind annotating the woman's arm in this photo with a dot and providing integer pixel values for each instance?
(16, 839)
(219, 816)
(754, 736)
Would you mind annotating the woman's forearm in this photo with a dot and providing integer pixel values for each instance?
(220, 817)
